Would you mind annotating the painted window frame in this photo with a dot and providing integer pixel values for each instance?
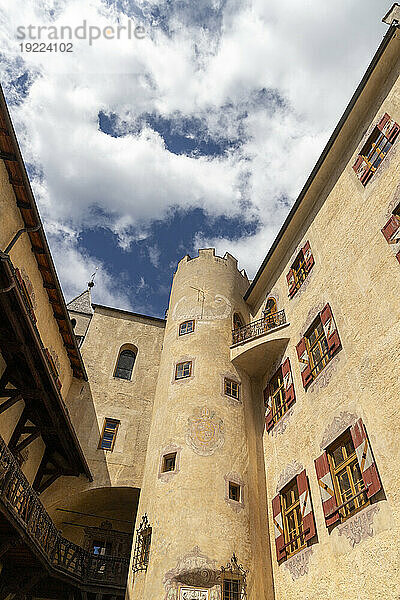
(289, 511)
(166, 457)
(107, 420)
(320, 342)
(351, 460)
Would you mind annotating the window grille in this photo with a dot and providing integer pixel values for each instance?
(186, 327)
(233, 580)
(126, 361)
(142, 546)
(231, 388)
(109, 434)
(347, 478)
(183, 370)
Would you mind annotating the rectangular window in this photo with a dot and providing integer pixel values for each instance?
(231, 388)
(109, 434)
(231, 589)
(183, 369)
(168, 462)
(186, 327)
(277, 395)
(317, 347)
(234, 491)
(376, 148)
(347, 478)
(300, 269)
(292, 519)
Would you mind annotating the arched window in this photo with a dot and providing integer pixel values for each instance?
(270, 307)
(126, 360)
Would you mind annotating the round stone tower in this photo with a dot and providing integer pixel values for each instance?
(200, 483)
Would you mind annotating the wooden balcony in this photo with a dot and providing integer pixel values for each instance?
(259, 327)
(23, 510)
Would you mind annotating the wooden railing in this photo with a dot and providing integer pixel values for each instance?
(256, 328)
(24, 506)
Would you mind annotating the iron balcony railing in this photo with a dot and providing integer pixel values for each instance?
(23, 504)
(256, 328)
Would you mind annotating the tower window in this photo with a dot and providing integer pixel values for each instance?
(109, 434)
(231, 388)
(124, 368)
(234, 491)
(168, 462)
(183, 370)
(186, 327)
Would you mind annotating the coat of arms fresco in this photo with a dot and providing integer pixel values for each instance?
(205, 432)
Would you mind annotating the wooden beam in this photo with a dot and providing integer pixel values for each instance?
(38, 250)
(28, 440)
(24, 205)
(9, 403)
(49, 286)
(9, 393)
(8, 156)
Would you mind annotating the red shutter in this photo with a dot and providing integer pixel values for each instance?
(308, 257)
(383, 122)
(393, 133)
(358, 162)
(291, 280)
(306, 506)
(390, 229)
(278, 528)
(365, 459)
(304, 362)
(288, 383)
(325, 482)
(330, 329)
(269, 422)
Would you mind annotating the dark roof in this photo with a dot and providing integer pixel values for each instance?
(389, 34)
(128, 312)
(11, 155)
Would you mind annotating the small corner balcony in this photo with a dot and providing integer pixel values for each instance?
(258, 328)
(259, 343)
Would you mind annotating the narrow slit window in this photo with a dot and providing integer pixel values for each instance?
(126, 361)
(231, 388)
(234, 491)
(109, 434)
(168, 462)
(183, 370)
(186, 327)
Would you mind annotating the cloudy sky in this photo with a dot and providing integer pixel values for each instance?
(201, 133)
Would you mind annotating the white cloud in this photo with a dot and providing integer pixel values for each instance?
(308, 55)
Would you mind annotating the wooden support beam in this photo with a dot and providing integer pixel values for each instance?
(59, 316)
(17, 181)
(8, 156)
(49, 286)
(38, 250)
(9, 393)
(9, 403)
(24, 205)
(28, 440)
